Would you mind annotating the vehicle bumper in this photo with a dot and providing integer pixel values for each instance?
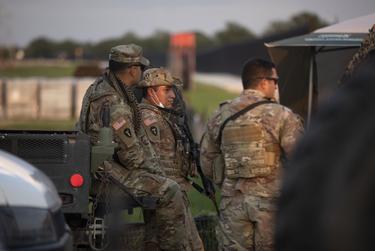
(65, 243)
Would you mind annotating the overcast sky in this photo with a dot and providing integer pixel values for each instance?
(92, 20)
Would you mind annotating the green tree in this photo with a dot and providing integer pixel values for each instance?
(307, 19)
(101, 49)
(157, 42)
(232, 33)
(203, 41)
(6, 53)
(41, 48)
(67, 48)
(127, 38)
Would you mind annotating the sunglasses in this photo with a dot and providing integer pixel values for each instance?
(275, 80)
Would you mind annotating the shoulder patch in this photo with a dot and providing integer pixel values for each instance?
(119, 123)
(152, 122)
(124, 131)
(153, 132)
(149, 121)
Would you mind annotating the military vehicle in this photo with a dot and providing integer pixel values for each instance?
(69, 160)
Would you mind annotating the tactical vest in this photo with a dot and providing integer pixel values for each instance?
(116, 88)
(175, 158)
(249, 150)
(183, 154)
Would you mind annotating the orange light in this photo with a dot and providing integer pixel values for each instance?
(76, 180)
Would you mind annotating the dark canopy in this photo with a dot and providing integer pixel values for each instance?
(311, 65)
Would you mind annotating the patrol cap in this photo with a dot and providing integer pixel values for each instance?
(128, 53)
(158, 77)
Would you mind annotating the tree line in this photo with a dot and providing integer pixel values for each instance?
(158, 42)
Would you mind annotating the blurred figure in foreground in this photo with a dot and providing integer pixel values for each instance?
(327, 200)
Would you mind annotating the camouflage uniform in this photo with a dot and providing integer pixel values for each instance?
(170, 142)
(248, 159)
(136, 167)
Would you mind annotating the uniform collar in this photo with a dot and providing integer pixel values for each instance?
(164, 112)
(151, 106)
(255, 93)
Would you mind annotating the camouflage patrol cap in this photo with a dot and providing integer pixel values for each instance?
(158, 77)
(128, 53)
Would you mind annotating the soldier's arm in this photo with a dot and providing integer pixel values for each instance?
(131, 152)
(210, 148)
(152, 124)
(291, 131)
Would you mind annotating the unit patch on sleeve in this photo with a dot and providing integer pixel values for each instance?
(124, 131)
(153, 132)
(128, 132)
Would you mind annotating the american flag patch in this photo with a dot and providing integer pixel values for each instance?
(150, 121)
(119, 123)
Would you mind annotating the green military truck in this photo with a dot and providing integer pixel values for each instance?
(69, 160)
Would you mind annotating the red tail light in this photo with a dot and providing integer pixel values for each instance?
(76, 180)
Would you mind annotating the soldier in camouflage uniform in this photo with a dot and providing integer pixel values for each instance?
(167, 137)
(135, 165)
(242, 155)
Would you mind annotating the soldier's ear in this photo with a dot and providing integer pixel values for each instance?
(260, 85)
(149, 92)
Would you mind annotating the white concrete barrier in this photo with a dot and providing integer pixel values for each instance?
(22, 98)
(61, 98)
(81, 86)
(56, 98)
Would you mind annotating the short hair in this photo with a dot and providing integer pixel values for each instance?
(115, 66)
(253, 69)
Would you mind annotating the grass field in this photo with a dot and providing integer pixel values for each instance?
(204, 99)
